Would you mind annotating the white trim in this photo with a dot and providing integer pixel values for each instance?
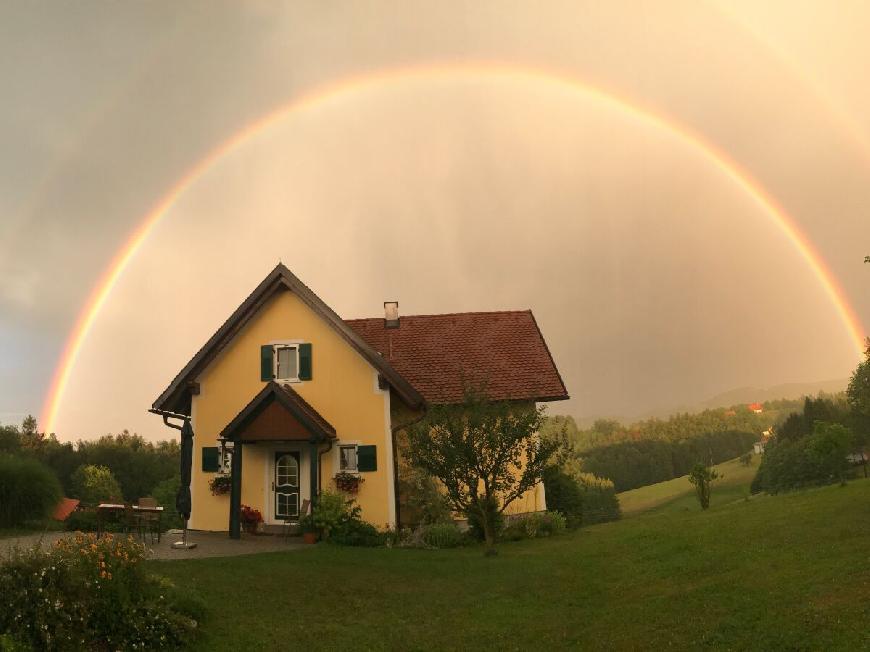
(391, 480)
(304, 477)
(336, 454)
(276, 344)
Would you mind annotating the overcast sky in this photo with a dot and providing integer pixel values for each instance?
(657, 280)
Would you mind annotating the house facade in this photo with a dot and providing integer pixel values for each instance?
(286, 395)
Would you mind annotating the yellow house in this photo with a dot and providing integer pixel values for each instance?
(286, 396)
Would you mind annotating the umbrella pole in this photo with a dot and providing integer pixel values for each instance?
(183, 544)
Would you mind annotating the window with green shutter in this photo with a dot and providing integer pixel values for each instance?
(305, 362)
(366, 458)
(210, 459)
(286, 361)
(267, 366)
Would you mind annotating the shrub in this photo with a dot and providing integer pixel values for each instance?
(358, 533)
(421, 500)
(600, 503)
(95, 484)
(817, 459)
(475, 525)
(565, 495)
(337, 519)
(28, 491)
(551, 523)
(88, 592)
(531, 526)
(441, 535)
(164, 493)
(82, 520)
(332, 509)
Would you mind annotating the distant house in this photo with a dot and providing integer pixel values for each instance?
(286, 395)
(757, 408)
(758, 446)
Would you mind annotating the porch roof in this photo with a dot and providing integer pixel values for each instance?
(278, 412)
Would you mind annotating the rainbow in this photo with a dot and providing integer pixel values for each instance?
(460, 71)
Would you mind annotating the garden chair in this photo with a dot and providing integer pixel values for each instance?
(150, 520)
(132, 522)
(303, 511)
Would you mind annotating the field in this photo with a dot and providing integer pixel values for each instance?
(679, 494)
(771, 573)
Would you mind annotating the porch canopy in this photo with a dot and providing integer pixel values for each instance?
(276, 413)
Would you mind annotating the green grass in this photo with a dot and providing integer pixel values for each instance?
(679, 494)
(785, 572)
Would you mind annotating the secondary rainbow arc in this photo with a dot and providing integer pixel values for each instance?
(346, 87)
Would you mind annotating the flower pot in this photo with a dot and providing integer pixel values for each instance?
(309, 537)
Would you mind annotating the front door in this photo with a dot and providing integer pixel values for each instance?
(286, 485)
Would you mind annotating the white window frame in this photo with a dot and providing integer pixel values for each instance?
(225, 458)
(346, 444)
(281, 344)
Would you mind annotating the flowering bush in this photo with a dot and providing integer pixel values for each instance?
(88, 592)
(220, 485)
(251, 515)
(250, 518)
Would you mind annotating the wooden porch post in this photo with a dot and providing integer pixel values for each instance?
(315, 469)
(236, 491)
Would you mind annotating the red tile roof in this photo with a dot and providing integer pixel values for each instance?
(436, 353)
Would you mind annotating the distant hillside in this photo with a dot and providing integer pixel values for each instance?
(786, 390)
(730, 398)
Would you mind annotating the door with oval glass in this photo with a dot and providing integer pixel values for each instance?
(285, 485)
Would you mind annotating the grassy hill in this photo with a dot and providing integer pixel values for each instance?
(772, 573)
(679, 494)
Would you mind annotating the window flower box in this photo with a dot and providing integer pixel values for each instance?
(220, 485)
(348, 482)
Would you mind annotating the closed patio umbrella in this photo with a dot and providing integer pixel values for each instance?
(182, 499)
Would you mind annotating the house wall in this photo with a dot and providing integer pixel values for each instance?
(343, 389)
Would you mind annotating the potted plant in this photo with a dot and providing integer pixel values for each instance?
(348, 482)
(220, 485)
(251, 518)
(310, 531)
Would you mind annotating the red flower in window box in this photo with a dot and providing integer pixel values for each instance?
(348, 482)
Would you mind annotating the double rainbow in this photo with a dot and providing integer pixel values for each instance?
(345, 88)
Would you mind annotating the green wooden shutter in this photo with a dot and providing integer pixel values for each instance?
(267, 367)
(366, 458)
(210, 459)
(305, 362)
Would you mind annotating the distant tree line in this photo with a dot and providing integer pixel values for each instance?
(737, 418)
(633, 464)
(135, 466)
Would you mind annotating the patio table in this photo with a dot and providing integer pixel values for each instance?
(103, 509)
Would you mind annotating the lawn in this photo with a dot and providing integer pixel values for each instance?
(679, 494)
(772, 573)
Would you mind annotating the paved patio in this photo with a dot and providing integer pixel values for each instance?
(208, 544)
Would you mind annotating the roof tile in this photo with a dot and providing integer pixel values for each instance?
(438, 354)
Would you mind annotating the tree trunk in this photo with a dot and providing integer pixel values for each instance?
(488, 530)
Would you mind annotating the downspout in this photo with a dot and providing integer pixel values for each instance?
(393, 431)
(320, 455)
(170, 415)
